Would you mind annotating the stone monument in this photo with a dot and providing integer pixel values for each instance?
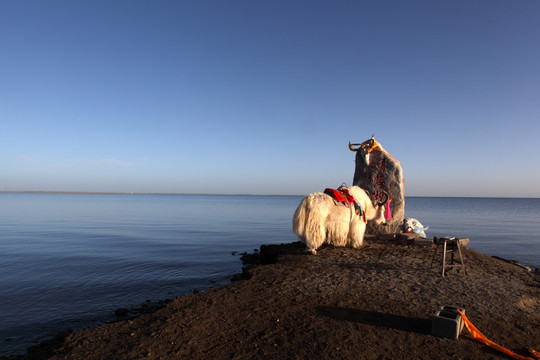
(378, 172)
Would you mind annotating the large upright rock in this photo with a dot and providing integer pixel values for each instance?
(377, 171)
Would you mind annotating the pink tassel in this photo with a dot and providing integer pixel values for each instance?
(387, 212)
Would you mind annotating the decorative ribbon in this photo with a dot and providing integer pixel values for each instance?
(387, 213)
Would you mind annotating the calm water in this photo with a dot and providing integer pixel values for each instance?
(68, 261)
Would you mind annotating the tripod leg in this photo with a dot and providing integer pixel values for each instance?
(444, 258)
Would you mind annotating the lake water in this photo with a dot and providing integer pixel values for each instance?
(70, 260)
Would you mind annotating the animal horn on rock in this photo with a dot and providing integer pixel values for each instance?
(382, 203)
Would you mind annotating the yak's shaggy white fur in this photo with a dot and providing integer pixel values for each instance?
(318, 219)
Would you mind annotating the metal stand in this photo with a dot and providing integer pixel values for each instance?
(450, 245)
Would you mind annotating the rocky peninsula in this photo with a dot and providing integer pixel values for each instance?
(371, 303)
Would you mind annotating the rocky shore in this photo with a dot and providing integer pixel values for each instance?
(371, 303)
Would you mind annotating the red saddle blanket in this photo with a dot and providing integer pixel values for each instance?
(343, 196)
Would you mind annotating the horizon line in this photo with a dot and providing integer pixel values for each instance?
(217, 194)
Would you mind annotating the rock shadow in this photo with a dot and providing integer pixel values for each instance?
(375, 318)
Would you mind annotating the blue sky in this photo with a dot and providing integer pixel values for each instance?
(262, 97)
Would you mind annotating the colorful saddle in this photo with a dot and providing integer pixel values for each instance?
(342, 195)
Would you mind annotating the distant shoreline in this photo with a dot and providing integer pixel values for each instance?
(128, 193)
(59, 192)
(218, 194)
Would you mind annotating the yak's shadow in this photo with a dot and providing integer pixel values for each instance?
(375, 318)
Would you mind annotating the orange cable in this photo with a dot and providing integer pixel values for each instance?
(478, 336)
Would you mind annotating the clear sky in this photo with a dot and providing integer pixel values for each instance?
(262, 97)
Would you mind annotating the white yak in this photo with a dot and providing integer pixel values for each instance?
(319, 219)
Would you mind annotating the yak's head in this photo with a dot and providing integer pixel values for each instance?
(382, 210)
(376, 211)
